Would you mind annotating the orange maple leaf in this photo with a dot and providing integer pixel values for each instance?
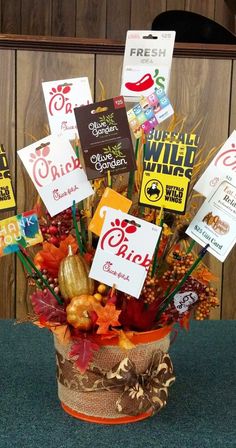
(62, 332)
(204, 275)
(107, 316)
(50, 256)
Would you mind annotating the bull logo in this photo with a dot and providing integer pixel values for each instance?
(153, 190)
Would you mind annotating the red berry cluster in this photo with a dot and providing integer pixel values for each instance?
(56, 229)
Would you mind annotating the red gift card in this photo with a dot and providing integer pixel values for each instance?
(105, 138)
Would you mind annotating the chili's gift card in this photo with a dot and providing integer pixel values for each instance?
(168, 165)
(105, 138)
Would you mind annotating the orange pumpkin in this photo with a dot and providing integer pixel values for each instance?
(78, 311)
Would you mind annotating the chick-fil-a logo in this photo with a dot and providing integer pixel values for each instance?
(59, 100)
(227, 158)
(44, 171)
(115, 239)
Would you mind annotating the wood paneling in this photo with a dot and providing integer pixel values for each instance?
(224, 15)
(193, 88)
(32, 69)
(36, 17)
(229, 291)
(175, 4)
(108, 71)
(143, 14)
(118, 18)
(206, 8)
(91, 18)
(63, 17)
(7, 137)
(10, 14)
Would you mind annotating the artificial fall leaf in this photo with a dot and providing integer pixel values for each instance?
(82, 353)
(50, 256)
(204, 275)
(124, 341)
(107, 316)
(47, 308)
(184, 322)
(137, 315)
(62, 332)
(166, 230)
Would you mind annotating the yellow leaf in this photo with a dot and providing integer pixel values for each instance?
(124, 341)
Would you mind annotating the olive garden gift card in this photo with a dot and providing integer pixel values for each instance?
(20, 230)
(168, 165)
(105, 138)
(7, 200)
(215, 221)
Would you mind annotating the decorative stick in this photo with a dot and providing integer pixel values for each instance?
(109, 181)
(30, 262)
(131, 174)
(181, 283)
(80, 204)
(27, 267)
(160, 221)
(190, 247)
(73, 208)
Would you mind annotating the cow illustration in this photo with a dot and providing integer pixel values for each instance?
(153, 190)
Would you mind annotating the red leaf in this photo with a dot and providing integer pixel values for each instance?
(45, 305)
(82, 353)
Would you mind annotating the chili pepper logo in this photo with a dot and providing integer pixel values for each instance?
(142, 84)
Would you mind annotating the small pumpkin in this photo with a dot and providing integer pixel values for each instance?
(78, 311)
(73, 276)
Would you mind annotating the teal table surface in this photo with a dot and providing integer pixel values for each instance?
(200, 413)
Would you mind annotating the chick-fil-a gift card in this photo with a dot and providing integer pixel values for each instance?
(19, 230)
(147, 62)
(110, 198)
(223, 166)
(61, 97)
(105, 138)
(124, 252)
(56, 173)
(149, 112)
(7, 200)
(215, 221)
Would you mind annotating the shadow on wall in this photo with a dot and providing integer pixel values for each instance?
(194, 28)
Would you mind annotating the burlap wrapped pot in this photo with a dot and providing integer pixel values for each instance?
(119, 386)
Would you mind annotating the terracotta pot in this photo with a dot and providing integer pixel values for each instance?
(99, 406)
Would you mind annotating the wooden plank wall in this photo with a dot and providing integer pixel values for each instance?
(195, 90)
(99, 18)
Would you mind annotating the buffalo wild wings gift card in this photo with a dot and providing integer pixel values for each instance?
(215, 221)
(7, 200)
(168, 166)
(124, 252)
(61, 97)
(105, 138)
(147, 62)
(56, 173)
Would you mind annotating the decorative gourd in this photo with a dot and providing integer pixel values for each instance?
(73, 276)
(78, 311)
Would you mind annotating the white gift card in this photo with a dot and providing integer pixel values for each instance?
(124, 252)
(147, 62)
(56, 173)
(215, 221)
(61, 97)
(223, 166)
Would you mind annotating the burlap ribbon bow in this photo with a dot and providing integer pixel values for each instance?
(140, 392)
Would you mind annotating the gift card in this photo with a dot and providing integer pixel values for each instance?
(56, 173)
(124, 252)
(7, 200)
(223, 166)
(168, 165)
(20, 230)
(110, 198)
(61, 97)
(105, 138)
(215, 221)
(149, 112)
(147, 62)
